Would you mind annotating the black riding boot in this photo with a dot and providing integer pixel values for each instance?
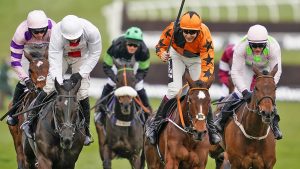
(19, 90)
(143, 95)
(226, 112)
(85, 104)
(101, 108)
(214, 138)
(275, 126)
(27, 125)
(151, 130)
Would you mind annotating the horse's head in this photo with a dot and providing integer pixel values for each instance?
(38, 67)
(125, 95)
(125, 74)
(264, 94)
(66, 113)
(198, 105)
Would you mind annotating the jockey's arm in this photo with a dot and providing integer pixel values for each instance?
(107, 66)
(95, 47)
(275, 58)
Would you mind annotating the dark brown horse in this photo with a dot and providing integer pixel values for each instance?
(248, 140)
(60, 133)
(184, 142)
(38, 71)
(122, 134)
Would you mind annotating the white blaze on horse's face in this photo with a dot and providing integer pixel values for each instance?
(39, 63)
(200, 115)
(66, 102)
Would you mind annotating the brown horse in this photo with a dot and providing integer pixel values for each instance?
(122, 133)
(247, 137)
(184, 143)
(38, 71)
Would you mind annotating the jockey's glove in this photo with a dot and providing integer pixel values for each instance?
(30, 85)
(247, 95)
(76, 77)
(140, 74)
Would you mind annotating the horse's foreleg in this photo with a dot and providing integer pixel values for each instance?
(107, 157)
(17, 138)
(44, 163)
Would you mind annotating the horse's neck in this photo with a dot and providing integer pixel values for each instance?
(251, 121)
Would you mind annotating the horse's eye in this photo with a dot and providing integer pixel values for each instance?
(255, 88)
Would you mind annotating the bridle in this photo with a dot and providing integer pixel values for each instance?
(200, 116)
(257, 109)
(73, 126)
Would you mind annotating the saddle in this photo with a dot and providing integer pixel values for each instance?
(169, 107)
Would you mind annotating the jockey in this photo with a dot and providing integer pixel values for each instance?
(75, 43)
(127, 47)
(191, 48)
(261, 50)
(36, 30)
(225, 68)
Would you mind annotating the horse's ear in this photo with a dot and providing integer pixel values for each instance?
(210, 80)
(77, 86)
(256, 70)
(274, 71)
(188, 78)
(28, 56)
(57, 86)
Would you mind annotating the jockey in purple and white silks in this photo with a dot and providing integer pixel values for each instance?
(76, 43)
(34, 32)
(261, 50)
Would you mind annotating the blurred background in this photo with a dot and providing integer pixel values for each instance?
(228, 21)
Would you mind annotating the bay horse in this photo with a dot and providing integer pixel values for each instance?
(183, 141)
(248, 141)
(59, 132)
(122, 133)
(38, 71)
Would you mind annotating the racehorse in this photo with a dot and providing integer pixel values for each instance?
(59, 132)
(38, 71)
(183, 141)
(248, 141)
(122, 134)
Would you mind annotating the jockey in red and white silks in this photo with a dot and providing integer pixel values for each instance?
(82, 54)
(244, 56)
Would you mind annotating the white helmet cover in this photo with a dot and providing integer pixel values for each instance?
(37, 19)
(71, 27)
(257, 34)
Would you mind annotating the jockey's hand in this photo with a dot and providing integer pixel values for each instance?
(76, 77)
(30, 85)
(247, 96)
(165, 56)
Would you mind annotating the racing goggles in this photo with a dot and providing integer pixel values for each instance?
(257, 45)
(191, 32)
(38, 30)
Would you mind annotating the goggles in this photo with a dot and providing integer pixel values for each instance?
(257, 45)
(191, 32)
(39, 30)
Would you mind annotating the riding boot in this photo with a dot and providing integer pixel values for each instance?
(225, 113)
(143, 95)
(85, 104)
(151, 129)
(101, 108)
(19, 90)
(275, 126)
(214, 138)
(27, 125)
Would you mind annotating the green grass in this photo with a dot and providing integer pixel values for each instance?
(287, 149)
